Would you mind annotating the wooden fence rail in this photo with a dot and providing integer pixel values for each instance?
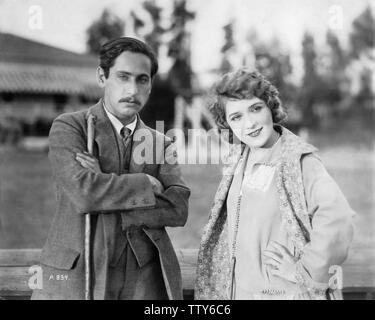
(359, 283)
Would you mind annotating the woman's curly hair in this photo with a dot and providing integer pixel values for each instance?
(244, 84)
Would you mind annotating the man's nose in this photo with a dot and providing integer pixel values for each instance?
(131, 88)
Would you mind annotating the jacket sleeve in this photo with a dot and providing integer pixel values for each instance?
(171, 208)
(92, 192)
(332, 226)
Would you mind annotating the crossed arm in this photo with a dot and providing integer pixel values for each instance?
(165, 199)
(91, 163)
(142, 200)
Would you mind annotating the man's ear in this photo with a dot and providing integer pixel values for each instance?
(152, 82)
(100, 77)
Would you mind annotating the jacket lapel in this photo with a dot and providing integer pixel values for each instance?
(105, 138)
(228, 172)
(109, 159)
(142, 140)
(222, 192)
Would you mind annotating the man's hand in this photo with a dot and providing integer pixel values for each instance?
(156, 184)
(281, 261)
(88, 161)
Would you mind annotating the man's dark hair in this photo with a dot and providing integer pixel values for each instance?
(113, 48)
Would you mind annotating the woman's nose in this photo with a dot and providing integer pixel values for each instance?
(251, 122)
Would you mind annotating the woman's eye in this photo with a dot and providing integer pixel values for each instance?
(257, 108)
(235, 118)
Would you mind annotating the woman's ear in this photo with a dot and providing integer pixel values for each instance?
(100, 77)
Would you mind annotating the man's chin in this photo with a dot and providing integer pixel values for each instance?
(130, 111)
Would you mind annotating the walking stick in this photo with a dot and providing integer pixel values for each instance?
(90, 143)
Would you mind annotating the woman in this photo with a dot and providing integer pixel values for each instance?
(279, 221)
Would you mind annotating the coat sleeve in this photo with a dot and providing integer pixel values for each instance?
(332, 227)
(92, 192)
(171, 208)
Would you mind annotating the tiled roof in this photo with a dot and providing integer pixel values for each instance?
(31, 67)
(20, 77)
(17, 49)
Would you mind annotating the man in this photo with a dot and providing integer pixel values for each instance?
(130, 201)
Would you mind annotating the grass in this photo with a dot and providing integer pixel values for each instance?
(27, 199)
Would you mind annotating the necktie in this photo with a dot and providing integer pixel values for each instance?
(126, 139)
(125, 135)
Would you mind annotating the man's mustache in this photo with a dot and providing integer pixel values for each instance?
(130, 100)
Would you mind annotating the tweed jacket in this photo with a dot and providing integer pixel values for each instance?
(105, 196)
(320, 236)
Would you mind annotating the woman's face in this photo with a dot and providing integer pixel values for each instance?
(251, 121)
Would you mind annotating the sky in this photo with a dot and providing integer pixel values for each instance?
(64, 23)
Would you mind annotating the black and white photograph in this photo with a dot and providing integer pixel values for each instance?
(187, 150)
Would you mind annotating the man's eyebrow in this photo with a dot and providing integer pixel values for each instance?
(124, 73)
(144, 75)
(121, 72)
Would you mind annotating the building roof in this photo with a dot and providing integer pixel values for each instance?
(31, 67)
(18, 49)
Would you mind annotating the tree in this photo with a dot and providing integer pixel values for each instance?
(227, 47)
(310, 84)
(160, 105)
(274, 63)
(362, 42)
(365, 93)
(107, 27)
(276, 66)
(362, 37)
(337, 54)
(179, 49)
(153, 38)
(334, 82)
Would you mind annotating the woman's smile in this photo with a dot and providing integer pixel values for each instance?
(255, 133)
(251, 121)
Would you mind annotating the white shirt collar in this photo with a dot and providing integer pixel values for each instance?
(117, 123)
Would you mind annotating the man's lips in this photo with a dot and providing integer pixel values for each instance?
(135, 102)
(254, 133)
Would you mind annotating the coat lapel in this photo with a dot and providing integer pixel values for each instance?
(213, 256)
(105, 138)
(228, 172)
(222, 192)
(142, 140)
(109, 158)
